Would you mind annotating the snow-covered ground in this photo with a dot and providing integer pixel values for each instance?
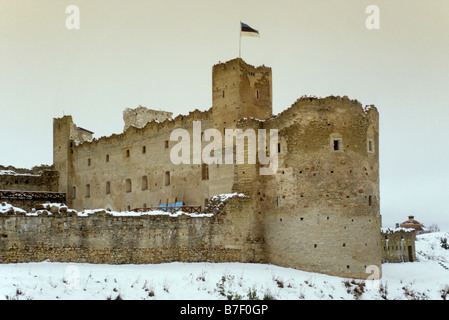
(425, 279)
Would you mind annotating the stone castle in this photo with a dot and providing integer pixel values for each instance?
(318, 212)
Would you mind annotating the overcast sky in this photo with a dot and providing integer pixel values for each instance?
(160, 54)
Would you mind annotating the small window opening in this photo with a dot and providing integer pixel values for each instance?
(167, 178)
(127, 153)
(370, 145)
(144, 149)
(370, 200)
(108, 187)
(128, 185)
(87, 190)
(257, 94)
(73, 192)
(336, 144)
(144, 183)
(166, 144)
(88, 162)
(279, 148)
(204, 171)
(107, 158)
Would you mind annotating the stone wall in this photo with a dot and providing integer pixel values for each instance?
(103, 238)
(398, 245)
(41, 178)
(321, 208)
(140, 116)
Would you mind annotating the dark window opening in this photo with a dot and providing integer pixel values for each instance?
(167, 178)
(336, 145)
(128, 185)
(108, 187)
(144, 183)
(204, 172)
(144, 149)
(127, 153)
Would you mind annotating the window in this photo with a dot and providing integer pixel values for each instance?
(223, 94)
(166, 144)
(167, 178)
(128, 185)
(127, 153)
(74, 193)
(337, 144)
(144, 183)
(279, 148)
(371, 145)
(89, 162)
(257, 94)
(370, 200)
(204, 171)
(107, 158)
(87, 190)
(108, 187)
(144, 149)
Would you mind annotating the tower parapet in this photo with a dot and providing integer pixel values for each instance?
(240, 90)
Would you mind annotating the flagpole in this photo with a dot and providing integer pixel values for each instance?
(240, 39)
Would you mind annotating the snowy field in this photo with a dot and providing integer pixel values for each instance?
(425, 279)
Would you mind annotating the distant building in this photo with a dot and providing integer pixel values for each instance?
(411, 223)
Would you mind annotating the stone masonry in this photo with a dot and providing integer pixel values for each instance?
(318, 212)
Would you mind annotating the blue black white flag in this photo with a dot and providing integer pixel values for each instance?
(246, 30)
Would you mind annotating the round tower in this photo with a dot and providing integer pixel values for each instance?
(323, 201)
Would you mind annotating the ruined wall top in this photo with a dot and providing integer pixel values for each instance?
(140, 116)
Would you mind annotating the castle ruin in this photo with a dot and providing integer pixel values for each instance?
(318, 212)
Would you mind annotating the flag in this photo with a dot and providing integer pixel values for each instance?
(246, 30)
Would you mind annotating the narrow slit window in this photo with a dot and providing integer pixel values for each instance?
(167, 178)
(204, 171)
(337, 144)
(108, 187)
(87, 190)
(128, 185)
(144, 183)
(370, 200)
(371, 145)
(107, 158)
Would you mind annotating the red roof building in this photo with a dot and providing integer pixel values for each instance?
(411, 223)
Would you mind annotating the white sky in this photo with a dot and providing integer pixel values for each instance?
(160, 54)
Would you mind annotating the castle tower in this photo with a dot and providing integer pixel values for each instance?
(240, 90)
(65, 135)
